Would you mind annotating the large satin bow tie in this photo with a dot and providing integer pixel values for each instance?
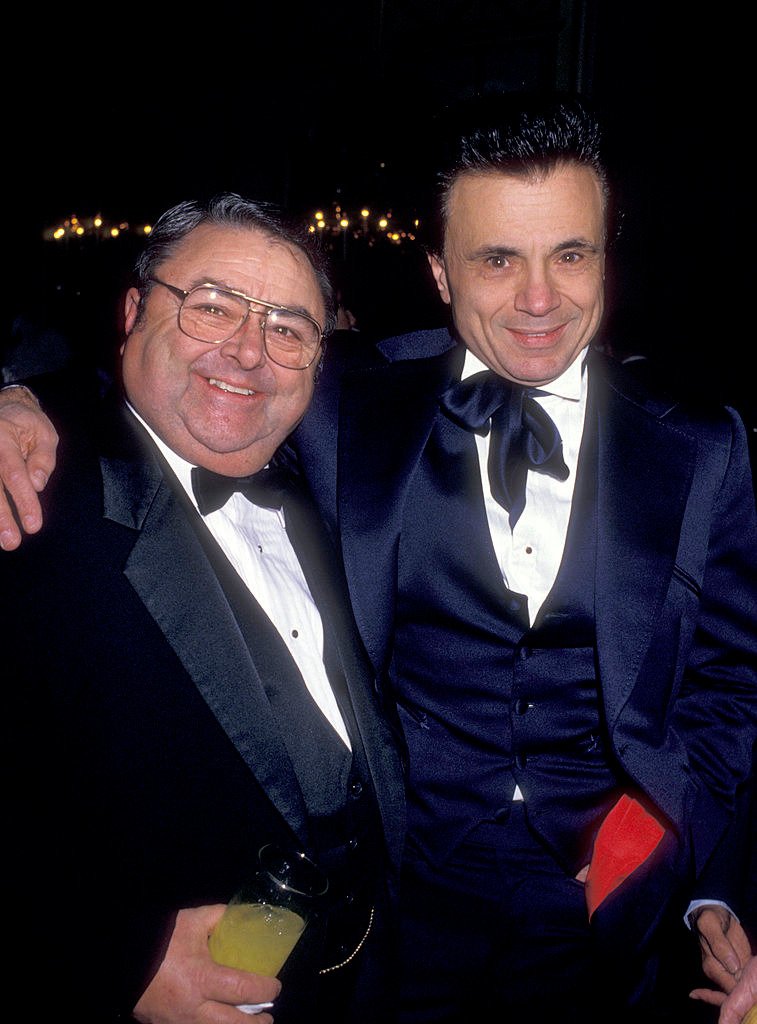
(265, 488)
(523, 435)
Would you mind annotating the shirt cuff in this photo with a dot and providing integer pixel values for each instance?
(696, 904)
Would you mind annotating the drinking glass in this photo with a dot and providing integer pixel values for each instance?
(264, 920)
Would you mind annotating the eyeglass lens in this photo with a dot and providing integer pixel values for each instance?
(208, 314)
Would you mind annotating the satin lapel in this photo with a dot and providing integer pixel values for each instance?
(172, 576)
(642, 487)
(318, 559)
(385, 417)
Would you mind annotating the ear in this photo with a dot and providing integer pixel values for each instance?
(131, 310)
(440, 276)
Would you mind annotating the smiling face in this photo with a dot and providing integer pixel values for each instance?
(523, 268)
(226, 407)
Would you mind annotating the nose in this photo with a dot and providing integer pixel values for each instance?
(246, 345)
(536, 294)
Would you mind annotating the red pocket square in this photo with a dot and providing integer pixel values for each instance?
(628, 835)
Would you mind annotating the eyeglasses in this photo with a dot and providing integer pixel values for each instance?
(214, 315)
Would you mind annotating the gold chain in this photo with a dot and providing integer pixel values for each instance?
(355, 951)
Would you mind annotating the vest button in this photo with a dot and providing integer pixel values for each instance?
(352, 843)
(522, 706)
(524, 652)
(356, 788)
(520, 761)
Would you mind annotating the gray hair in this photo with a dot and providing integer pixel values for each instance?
(227, 209)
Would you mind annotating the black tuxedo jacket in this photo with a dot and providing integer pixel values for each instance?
(676, 577)
(147, 766)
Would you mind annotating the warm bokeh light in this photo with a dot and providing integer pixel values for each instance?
(352, 226)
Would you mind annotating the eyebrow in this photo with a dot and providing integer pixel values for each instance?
(507, 250)
(577, 243)
(223, 287)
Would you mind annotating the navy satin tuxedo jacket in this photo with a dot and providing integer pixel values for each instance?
(146, 764)
(675, 599)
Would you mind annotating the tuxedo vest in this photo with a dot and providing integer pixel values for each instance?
(335, 782)
(486, 701)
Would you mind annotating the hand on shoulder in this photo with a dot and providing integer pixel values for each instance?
(28, 443)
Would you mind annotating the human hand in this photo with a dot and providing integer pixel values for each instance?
(191, 988)
(735, 1007)
(723, 944)
(27, 458)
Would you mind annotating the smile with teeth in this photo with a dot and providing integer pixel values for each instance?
(535, 334)
(229, 387)
(534, 338)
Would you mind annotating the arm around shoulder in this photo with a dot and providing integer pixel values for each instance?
(28, 442)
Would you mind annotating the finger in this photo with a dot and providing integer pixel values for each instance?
(10, 535)
(706, 995)
(711, 925)
(40, 462)
(241, 988)
(718, 975)
(722, 950)
(21, 493)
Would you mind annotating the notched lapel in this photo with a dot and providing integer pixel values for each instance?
(172, 576)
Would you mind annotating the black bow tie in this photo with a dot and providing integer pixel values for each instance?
(265, 488)
(523, 435)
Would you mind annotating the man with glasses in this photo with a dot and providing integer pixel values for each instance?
(187, 684)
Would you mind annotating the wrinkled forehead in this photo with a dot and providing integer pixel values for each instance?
(566, 197)
(246, 259)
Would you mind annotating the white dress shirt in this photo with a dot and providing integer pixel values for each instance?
(529, 556)
(255, 541)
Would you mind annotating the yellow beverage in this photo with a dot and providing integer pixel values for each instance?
(255, 937)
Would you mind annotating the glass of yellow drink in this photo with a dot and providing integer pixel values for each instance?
(256, 937)
(263, 921)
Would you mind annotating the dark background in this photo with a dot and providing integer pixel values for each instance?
(126, 111)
